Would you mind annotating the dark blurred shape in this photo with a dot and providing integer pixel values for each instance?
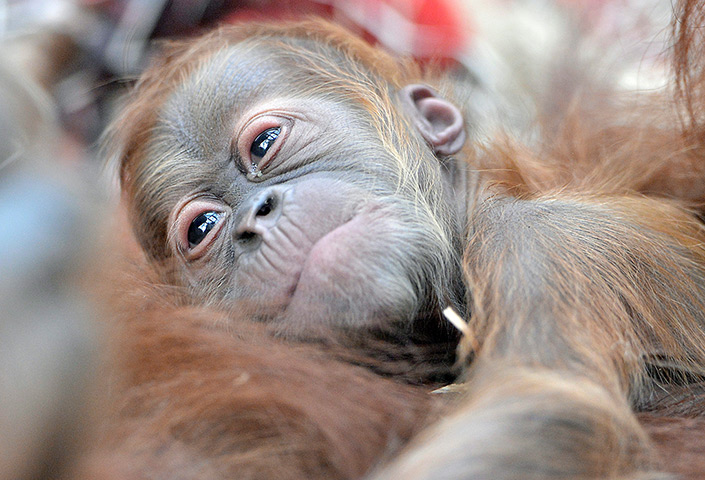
(47, 340)
(111, 41)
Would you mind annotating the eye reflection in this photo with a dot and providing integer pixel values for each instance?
(263, 142)
(201, 226)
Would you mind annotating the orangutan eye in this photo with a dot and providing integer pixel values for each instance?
(201, 226)
(262, 143)
(257, 144)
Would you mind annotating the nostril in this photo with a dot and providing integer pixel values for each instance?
(269, 204)
(246, 236)
(256, 216)
(248, 240)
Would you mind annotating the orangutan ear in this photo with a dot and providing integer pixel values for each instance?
(439, 121)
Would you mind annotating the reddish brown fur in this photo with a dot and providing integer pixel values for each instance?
(599, 142)
(680, 443)
(201, 396)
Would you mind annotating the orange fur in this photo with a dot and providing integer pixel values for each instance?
(585, 269)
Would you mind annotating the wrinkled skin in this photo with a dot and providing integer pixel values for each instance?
(297, 175)
(316, 227)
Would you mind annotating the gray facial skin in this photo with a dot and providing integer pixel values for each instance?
(326, 223)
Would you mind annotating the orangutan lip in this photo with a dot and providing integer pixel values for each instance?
(295, 286)
(365, 210)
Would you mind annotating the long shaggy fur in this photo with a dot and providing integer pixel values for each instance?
(585, 272)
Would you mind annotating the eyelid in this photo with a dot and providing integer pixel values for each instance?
(181, 219)
(247, 136)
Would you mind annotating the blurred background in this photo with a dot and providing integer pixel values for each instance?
(85, 52)
(64, 67)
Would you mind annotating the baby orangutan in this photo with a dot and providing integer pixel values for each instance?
(308, 205)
